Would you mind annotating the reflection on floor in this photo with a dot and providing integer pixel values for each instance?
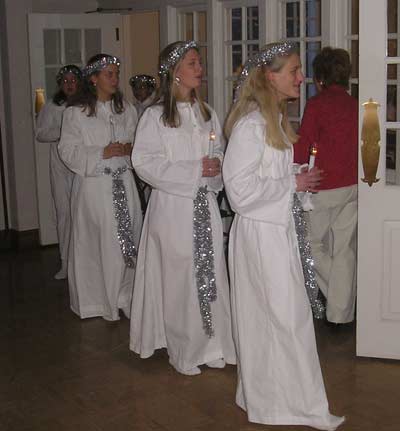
(59, 373)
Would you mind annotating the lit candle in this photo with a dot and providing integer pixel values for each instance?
(313, 154)
(211, 145)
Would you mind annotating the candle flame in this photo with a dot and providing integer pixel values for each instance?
(212, 135)
(313, 150)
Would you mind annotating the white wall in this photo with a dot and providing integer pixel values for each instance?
(15, 105)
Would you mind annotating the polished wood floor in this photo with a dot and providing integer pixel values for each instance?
(59, 373)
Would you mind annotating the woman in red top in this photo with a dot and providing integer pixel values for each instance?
(330, 122)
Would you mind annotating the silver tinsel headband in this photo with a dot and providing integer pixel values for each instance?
(100, 64)
(69, 68)
(175, 55)
(142, 81)
(264, 58)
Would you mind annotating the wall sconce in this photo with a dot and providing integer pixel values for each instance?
(39, 100)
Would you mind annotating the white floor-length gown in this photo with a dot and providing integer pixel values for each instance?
(48, 129)
(100, 283)
(165, 305)
(279, 375)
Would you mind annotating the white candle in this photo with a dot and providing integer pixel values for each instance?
(313, 154)
(211, 145)
(112, 129)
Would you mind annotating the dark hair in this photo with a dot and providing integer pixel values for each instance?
(86, 98)
(166, 95)
(332, 66)
(60, 97)
(140, 81)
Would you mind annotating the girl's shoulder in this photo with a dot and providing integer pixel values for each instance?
(253, 118)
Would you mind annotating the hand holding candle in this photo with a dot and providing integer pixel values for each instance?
(313, 155)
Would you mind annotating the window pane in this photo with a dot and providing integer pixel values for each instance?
(392, 71)
(354, 58)
(236, 57)
(392, 48)
(293, 19)
(236, 24)
(252, 50)
(313, 18)
(51, 85)
(92, 42)
(391, 156)
(312, 49)
(73, 46)
(354, 16)
(189, 26)
(392, 16)
(252, 23)
(391, 103)
(202, 22)
(354, 90)
(311, 90)
(294, 108)
(52, 46)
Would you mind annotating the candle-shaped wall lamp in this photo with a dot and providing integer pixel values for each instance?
(370, 136)
(39, 100)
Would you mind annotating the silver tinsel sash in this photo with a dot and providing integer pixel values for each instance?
(307, 260)
(204, 258)
(121, 213)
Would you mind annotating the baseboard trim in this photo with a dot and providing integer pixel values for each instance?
(19, 240)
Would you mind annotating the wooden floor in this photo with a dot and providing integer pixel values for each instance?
(59, 373)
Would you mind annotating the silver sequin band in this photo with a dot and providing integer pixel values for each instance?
(121, 213)
(175, 55)
(307, 261)
(203, 251)
(100, 64)
(263, 58)
(142, 80)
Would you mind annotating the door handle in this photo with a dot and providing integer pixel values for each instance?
(370, 136)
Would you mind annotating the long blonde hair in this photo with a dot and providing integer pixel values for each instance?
(168, 93)
(256, 92)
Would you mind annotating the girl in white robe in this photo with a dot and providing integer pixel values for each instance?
(279, 375)
(173, 154)
(96, 143)
(48, 129)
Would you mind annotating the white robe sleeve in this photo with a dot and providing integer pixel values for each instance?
(151, 162)
(251, 195)
(48, 125)
(82, 159)
(131, 124)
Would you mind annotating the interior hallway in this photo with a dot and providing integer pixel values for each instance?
(59, 373)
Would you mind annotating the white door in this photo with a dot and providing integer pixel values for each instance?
(56, 40)
(378, 307)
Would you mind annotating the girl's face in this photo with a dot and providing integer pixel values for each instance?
(69, 84)
(189, 73)
(106, 82)
(288, 80)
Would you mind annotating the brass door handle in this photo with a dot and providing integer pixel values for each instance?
(370, 136)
